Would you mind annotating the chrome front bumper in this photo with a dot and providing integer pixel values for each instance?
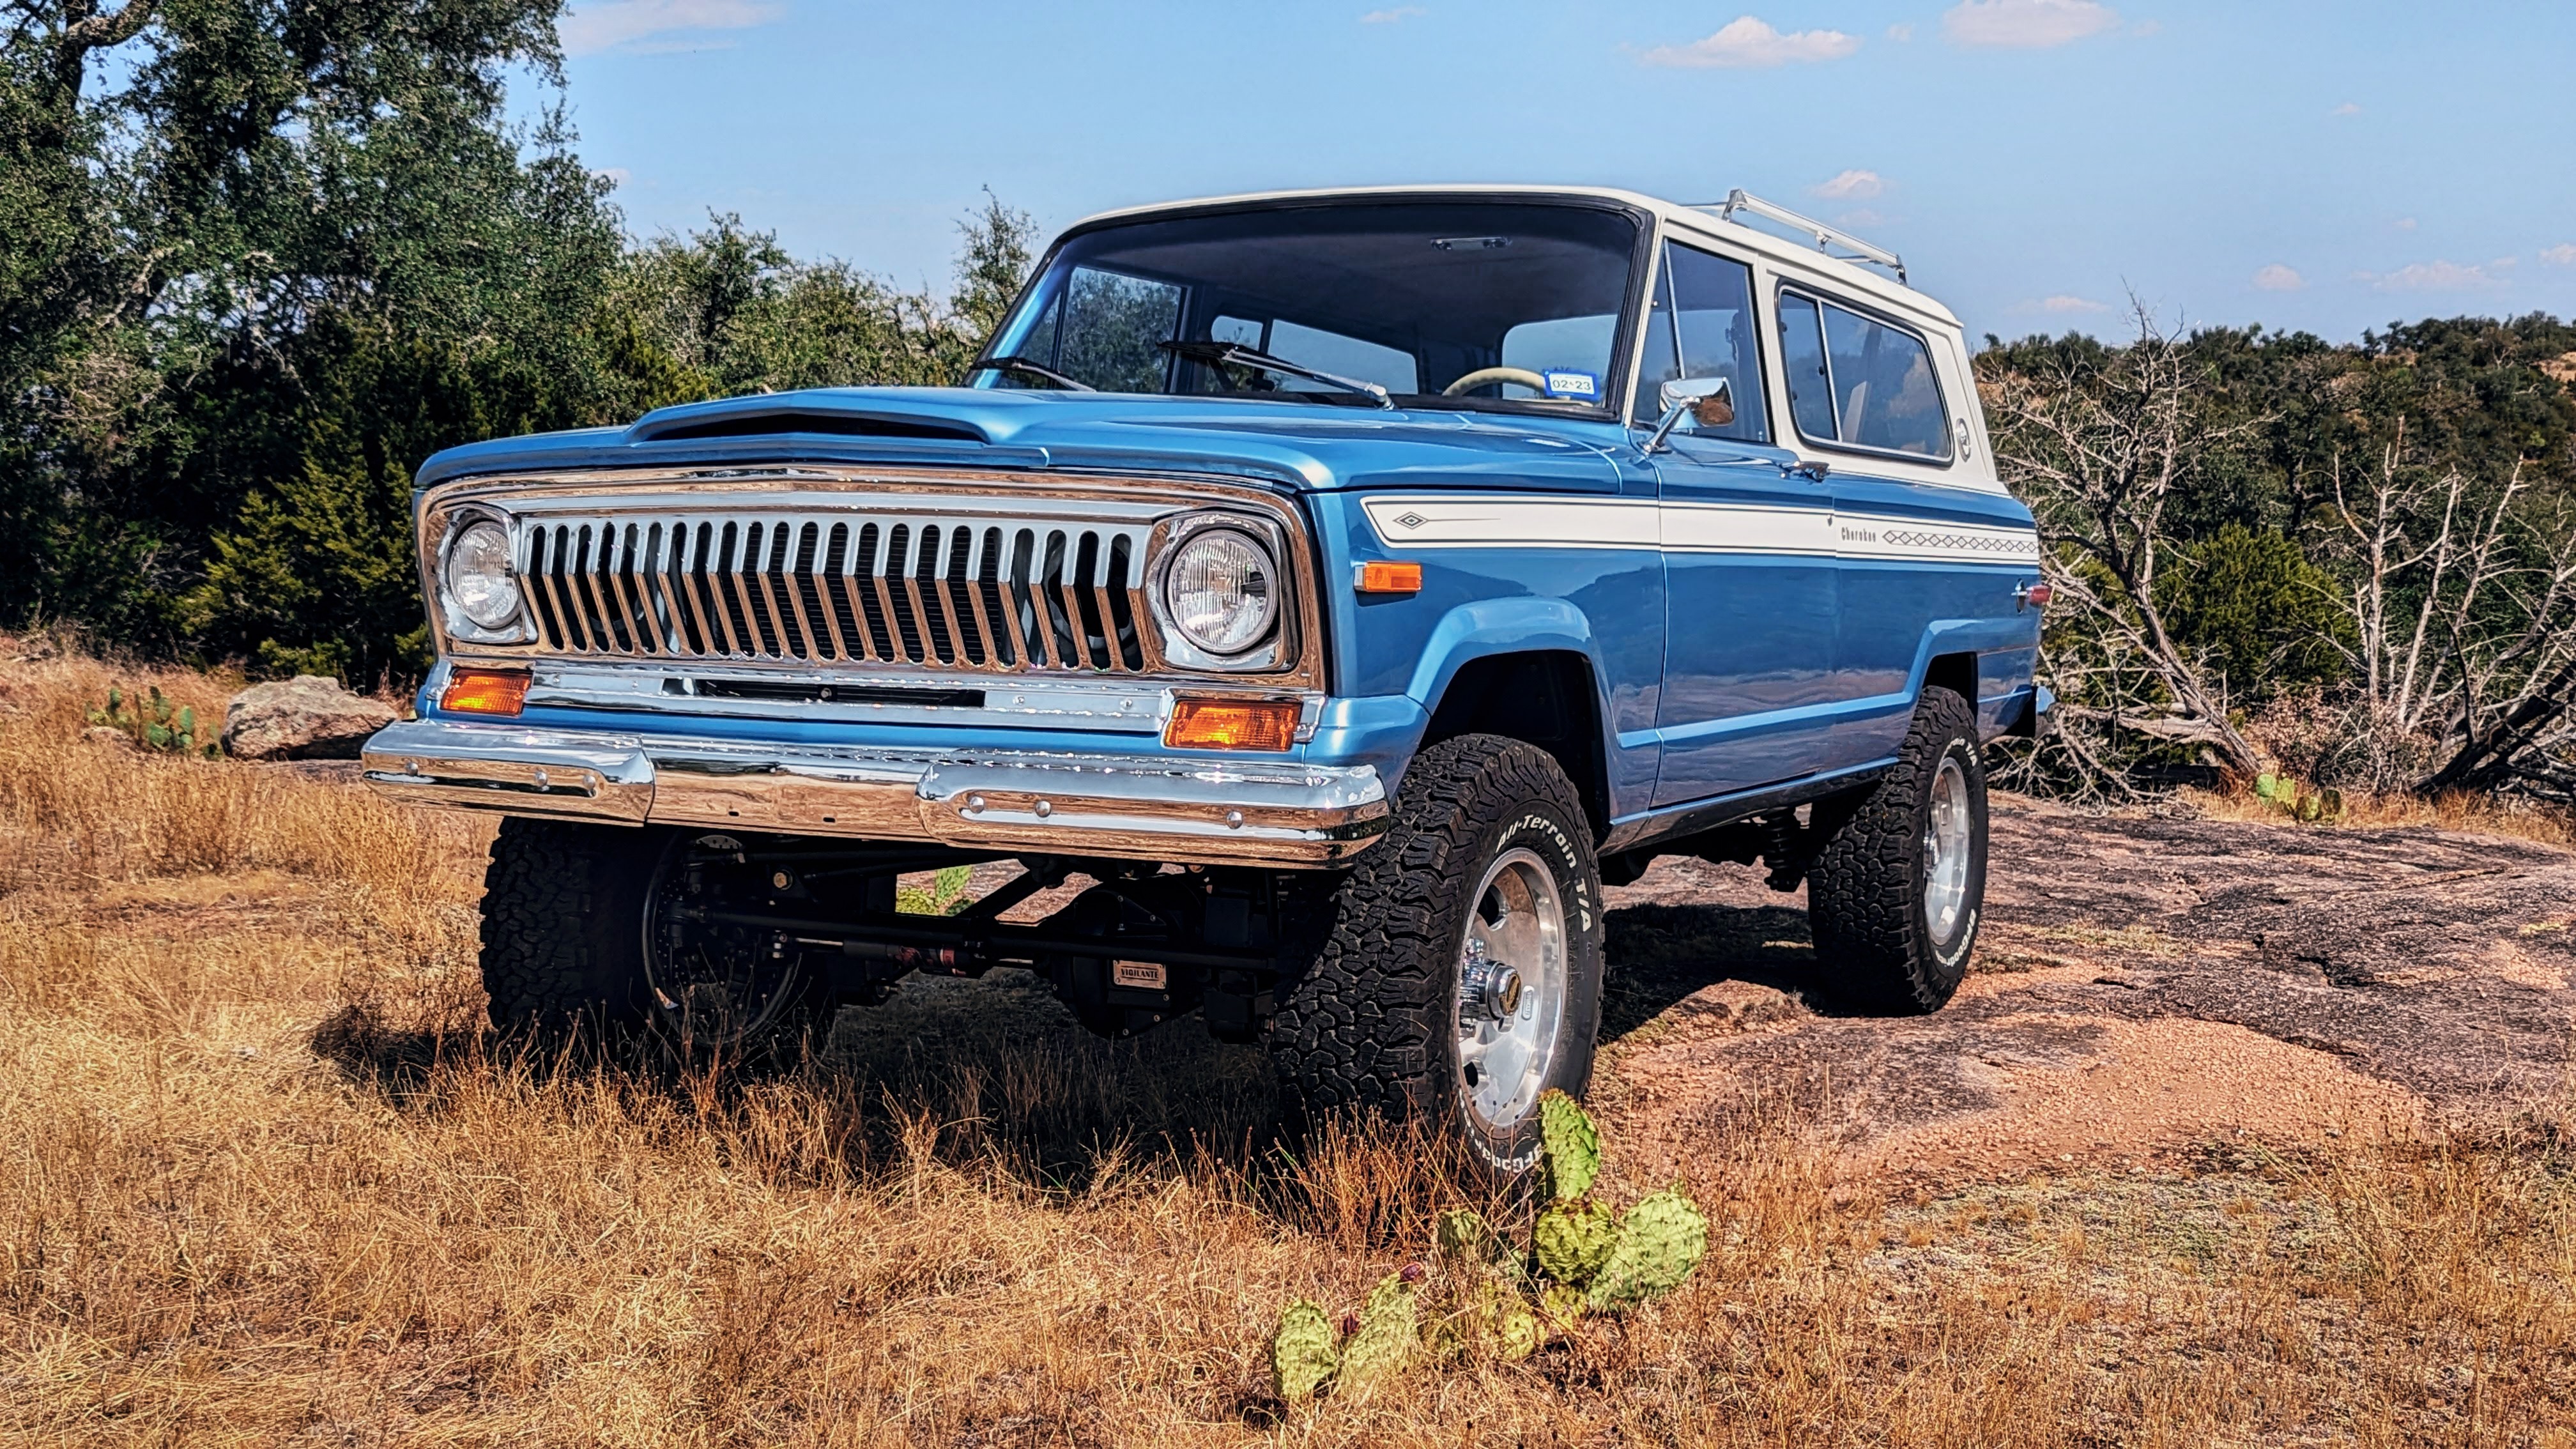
(1217, 812)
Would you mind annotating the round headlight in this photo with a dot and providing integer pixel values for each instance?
(1221, 591)
(478, 576)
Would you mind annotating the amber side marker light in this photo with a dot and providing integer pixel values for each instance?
(1232, 724)
(485, 691)
(1386, 576)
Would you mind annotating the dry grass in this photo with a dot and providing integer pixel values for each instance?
(262, 1179)
(2472, 814)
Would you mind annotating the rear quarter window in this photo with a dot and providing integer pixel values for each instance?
(1861, 382)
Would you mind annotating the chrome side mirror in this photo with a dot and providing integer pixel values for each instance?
(1709, 400)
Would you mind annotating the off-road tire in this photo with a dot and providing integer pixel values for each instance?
(1865, 889)
(564, 946)
(563, 940)
(1369, 1026)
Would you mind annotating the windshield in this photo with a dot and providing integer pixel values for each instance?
(1443, 303)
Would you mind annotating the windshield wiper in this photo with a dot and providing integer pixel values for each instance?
(1022, 364)
(1235, 354)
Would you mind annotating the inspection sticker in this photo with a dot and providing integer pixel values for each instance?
(1582, 385)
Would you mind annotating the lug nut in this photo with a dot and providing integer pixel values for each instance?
(781, 880)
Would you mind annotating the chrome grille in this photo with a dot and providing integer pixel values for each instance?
(1005, 595)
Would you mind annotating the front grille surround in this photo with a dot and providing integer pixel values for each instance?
(1005, 596)
(872, 574)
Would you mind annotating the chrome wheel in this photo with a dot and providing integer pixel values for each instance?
(1945, 851)
(1510, 1004)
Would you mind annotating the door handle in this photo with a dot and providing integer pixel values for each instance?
(1813, 472)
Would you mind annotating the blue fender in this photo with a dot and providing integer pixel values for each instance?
(1487, 627)
(1385, 730)
(2006, 649)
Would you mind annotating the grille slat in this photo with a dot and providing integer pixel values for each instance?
(1000, 596)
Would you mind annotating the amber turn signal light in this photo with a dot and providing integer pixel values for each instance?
(485, 691)
(1386, 576)
(1232, 724)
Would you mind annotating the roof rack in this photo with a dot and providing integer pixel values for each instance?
(1827, 238)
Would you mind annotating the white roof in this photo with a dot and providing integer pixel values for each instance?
(1781, 252)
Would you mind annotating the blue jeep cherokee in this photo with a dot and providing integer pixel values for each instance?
(1345, 584)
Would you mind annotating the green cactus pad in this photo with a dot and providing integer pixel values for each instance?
(1571, 1145)
(1559, 1306)
(1302, 1353)
(1462, 1235)
(1517, 1333)
(1658, 1243)
(1573, 1240)
(1390, 1334)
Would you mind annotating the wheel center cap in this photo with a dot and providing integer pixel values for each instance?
(1503, 993)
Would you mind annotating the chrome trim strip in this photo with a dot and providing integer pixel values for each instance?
(1157, 808)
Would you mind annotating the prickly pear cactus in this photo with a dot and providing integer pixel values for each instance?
(1303, 1354)
(1659, 1242)
(1389, 1334)
(1465, 1237)
(1573, 1240)
(155, 723)
(1559, 1306)
(1515, 1331)
(1570, 1144)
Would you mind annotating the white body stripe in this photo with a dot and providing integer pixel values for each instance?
(1445, 521)
(1449, 521)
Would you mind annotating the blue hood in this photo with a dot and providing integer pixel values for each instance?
(1292, 445)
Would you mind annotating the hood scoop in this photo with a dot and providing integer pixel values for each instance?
(739, 422)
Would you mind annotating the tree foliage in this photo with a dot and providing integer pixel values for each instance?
(2369, 548)
(259, 258)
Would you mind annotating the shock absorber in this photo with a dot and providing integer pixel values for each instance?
(1784, 849)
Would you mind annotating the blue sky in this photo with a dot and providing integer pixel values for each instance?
(2313, 165)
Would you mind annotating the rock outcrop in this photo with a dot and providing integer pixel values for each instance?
(304, 718)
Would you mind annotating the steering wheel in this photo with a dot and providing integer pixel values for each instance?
(1483, 375)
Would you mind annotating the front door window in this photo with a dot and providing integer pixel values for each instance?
(1702, 325)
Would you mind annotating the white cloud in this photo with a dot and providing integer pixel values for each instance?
(2561, 255)
(2065, 303)
(1900, 33)
(2435, 276)
(2278, 278)
(2026, 24)
(1863, 217)
(1390, 17)
(1853, 186)
(1747, 42)
(2348, 108)
(621, 24)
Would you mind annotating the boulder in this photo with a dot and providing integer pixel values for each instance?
(304, 718)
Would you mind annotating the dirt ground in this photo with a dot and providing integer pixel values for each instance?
(2147, 987)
